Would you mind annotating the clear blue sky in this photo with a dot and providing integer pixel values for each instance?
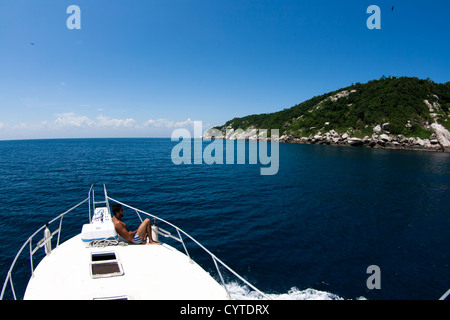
(145, 67)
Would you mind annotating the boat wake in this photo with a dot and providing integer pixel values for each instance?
(240, 292)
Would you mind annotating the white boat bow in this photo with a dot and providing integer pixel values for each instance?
(95, 265)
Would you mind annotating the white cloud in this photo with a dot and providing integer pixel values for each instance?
(181, 124)
(23, 126)
(164, 123)
(103, 121)
(70, 124)
(70, 119)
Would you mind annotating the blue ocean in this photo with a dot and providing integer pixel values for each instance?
(311, 231)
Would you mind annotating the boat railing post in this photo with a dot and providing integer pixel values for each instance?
(106, 199)
(220, 275)
(4, 285)
(184, 246)
(59, 232)
(89, 202)
(93, 200)
(12, 287)
(139, 216)
(31, 257)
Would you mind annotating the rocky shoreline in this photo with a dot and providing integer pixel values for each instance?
(383, 141)
(381, 138)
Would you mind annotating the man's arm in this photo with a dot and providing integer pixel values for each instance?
(123, 231)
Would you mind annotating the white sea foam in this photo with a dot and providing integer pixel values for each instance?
(240, 292)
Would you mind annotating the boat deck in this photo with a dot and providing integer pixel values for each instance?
(149, 272)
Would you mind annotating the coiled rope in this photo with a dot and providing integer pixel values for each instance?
(106, 243)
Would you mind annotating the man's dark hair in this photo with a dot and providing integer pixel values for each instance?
(116, 208)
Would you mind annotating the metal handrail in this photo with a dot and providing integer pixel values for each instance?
(39, 245)
(163, 232)
(180, 239)
(445, 295)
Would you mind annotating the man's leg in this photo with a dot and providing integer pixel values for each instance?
(145, 230)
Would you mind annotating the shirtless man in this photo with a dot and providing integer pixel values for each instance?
(137, 237)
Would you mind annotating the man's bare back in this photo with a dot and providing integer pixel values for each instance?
(139, 236)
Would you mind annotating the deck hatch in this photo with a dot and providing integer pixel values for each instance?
(105, 264)
(103, 256)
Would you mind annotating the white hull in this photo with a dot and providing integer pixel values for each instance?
(150, 272)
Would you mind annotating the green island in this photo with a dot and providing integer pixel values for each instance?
(392, 112)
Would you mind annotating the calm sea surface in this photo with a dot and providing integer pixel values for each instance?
(319, 223)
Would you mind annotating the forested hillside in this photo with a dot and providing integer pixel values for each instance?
(408, 105)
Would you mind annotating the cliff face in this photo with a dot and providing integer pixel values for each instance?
(406, 113)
